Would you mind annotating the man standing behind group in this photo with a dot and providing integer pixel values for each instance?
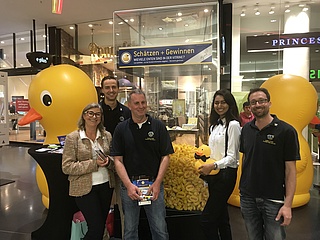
(270, 149)
(246, 116)
(141, 147)
(113, 112)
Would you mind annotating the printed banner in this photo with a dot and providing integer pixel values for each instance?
(165, 55)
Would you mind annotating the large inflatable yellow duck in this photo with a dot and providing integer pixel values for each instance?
(203, 157)
(57, 96)
(294, 100)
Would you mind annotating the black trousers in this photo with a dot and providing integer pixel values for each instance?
(95, 207)
(215, 217)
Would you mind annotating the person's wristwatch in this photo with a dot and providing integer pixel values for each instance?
(215, 166)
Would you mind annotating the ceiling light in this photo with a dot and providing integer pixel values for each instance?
(90, 25)
(71, 27)
(187, 40)
(44, 36)
(273, 20)
(160, 28)
(305, 9)
(301, 5)
(257, 13)
(131, 20)
(22, 39)
(287, 7)
(2, 42)
(110, 22)
(271, 9)
(186, 25)
(120, 23)
(179, 14)
(206, 10)
(117, 34)
(243, 11)
(126, 20)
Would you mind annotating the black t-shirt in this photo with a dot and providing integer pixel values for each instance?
(113, 116)
(141, 148)
(265, 153)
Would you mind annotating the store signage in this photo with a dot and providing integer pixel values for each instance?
(22, 105)
(39, 60)
(314, 74)
(200, 53)
(280, 41)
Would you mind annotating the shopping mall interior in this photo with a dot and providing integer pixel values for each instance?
(89, 35)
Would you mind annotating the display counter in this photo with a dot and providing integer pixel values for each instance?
(61, 206)
(180, 131)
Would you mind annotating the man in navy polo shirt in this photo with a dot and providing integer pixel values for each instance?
(113, 113)
(141, 146)
(270, 149)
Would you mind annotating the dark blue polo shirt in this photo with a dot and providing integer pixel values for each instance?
(265, 153)
(113, 116)
(141, 148)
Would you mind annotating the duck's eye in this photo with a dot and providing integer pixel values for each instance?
(46, 98)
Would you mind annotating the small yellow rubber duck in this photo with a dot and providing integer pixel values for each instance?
(203, 157)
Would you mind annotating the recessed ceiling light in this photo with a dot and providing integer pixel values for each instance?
(131, 20)
(71, 27)
(206, 10)
(179, 14)
(90, 25)
(160, 28)
(22, 39)
(121, 23)
(117, 34)
(186, 25)
(273, 20)
(110, 22)
(44, 36)
(2, 42)
(126, 20)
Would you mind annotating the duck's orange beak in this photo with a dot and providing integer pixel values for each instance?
(199, 152)
(31, 116)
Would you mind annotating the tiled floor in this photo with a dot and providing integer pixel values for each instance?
(22, 212)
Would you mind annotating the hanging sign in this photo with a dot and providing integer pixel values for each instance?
(39, 60)
(200, 53)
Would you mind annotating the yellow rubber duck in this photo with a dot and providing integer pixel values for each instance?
(203, 155)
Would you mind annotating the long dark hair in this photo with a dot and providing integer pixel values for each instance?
(231, 114)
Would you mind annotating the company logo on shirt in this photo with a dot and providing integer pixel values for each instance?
(269, 139)
(150, 136)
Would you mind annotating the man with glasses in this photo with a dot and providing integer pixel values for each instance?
(270, 149)
(114, 112)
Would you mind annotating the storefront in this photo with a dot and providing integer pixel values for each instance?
(180, 93)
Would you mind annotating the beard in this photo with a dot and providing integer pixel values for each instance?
(260, 112)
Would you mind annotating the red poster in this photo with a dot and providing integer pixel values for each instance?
(22, 105)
